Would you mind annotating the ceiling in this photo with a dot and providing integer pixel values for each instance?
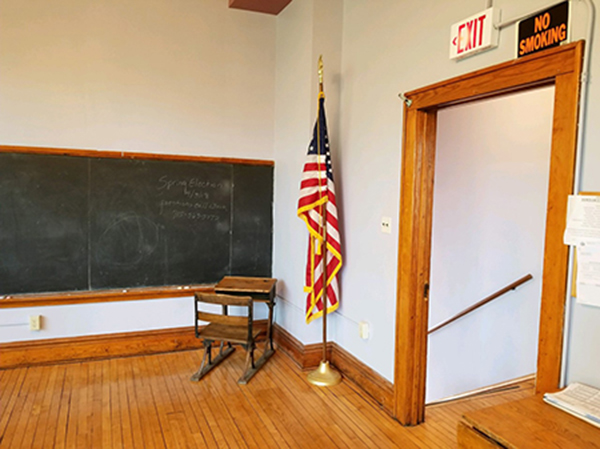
(265, 6)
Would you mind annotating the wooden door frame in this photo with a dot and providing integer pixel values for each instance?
(561, 67)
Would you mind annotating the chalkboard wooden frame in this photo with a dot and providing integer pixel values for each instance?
(111, 295)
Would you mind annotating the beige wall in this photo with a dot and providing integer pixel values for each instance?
(167, 76)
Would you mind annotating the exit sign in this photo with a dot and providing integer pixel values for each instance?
(474, 34)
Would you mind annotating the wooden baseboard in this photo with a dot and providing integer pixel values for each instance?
(58, 350)
(309, 357)
(305, 356)
(375, 385)
(95, 347)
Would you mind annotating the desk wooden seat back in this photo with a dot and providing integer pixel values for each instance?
(225, 328)
(222, 326)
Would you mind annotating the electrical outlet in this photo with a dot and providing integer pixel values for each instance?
(386, 225)
(35, 322)
(363, 330)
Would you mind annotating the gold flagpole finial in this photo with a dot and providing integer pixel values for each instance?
(321, 74)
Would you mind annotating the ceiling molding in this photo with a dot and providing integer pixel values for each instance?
(265, 6)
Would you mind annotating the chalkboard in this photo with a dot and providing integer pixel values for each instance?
(77, 223)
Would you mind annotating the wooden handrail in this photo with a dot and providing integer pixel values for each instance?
(483, 302)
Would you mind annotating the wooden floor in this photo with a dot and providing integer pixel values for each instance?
(148, 402)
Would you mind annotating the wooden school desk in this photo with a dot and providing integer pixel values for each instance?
(526, 424)
(260, 289)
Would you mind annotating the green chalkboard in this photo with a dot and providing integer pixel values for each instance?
(75, 223)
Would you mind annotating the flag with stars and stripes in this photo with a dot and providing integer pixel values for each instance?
(317, 206)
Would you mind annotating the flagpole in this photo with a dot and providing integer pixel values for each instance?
(324, 228)
(324, 375)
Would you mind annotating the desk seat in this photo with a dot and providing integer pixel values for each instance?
(216, 331)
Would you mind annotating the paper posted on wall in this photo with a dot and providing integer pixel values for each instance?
(588, 273)
(583, 231)
(583, 220)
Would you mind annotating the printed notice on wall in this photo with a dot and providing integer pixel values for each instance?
(588, 274)
(583, 220)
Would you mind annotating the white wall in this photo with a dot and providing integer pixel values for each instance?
(388, 46)
(163, 76)
(489, 212)
(105, 318)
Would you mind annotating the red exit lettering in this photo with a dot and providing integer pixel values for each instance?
(472, 37)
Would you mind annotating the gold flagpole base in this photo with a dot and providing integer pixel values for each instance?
(324, 376)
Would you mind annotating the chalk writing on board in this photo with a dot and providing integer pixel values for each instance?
(192, 188)
(194, 216)
(164, 204)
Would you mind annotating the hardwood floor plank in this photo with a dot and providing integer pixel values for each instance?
(209, 386)
(73, 415)
(11, 397)
(318, 406)
(173, 376)
(383, 424)
(106, 406)
(210, 430)
(283, 430)
(278, 431)
(50, 429)
(136, 411)
(178, 381)
(264, 424)
(84, 408)
(96, 404)
(149, 402)
(8, 384)
(349, 412)
(116, 431)
(126, 426)
(255, 431)
(141, 407)
(152, 425)
(64, 407)
(302, 428)
(20, 414)
(34, 409)
(46, 401)
(164, 406)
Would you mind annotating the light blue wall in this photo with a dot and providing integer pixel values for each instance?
(388, 46)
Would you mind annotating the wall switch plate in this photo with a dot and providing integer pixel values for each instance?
(386, 225)
(363, 330)
(35, 322)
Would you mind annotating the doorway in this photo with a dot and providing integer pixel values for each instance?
(560, 67)
(489, 215)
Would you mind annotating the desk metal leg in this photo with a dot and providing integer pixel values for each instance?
(270, 325)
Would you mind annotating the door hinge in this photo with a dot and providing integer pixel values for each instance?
(426, 291)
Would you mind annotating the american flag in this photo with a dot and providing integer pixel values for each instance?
(317, 199)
